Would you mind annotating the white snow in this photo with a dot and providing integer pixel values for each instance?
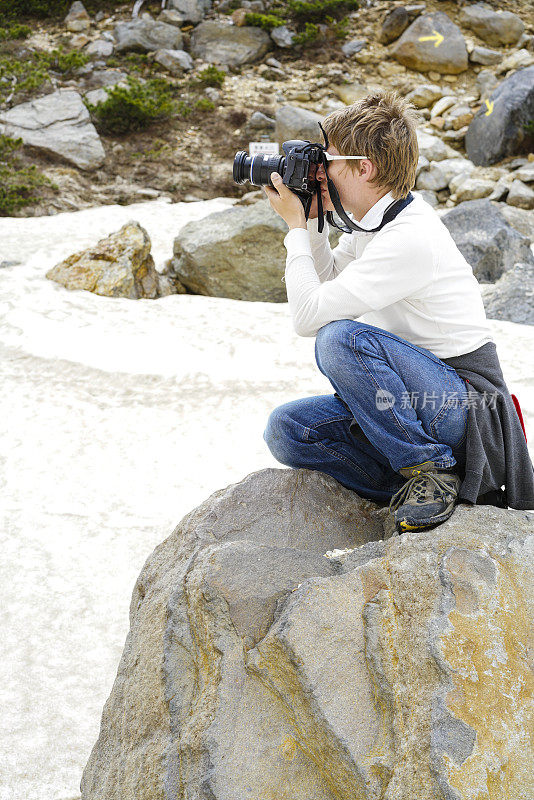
(118, 417)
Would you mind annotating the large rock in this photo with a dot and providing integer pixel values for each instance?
(58, 124)
(147, 35)
(219, 43)
(433, 148)
(236, 253)
(432, 43)
(497, 129)
(486, 240)
(191, 10)
(293, 122)
(439, 174)
(492, 27)
(512, 296)
(77, 19)
(118, 266)
(262, 662)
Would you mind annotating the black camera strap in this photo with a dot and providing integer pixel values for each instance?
(350, 226)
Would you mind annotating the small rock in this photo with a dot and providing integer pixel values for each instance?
(175, 61)
(353, 47)
(525, 173)
(293, 122)
(483, 55)
(520, 195)
(219, 43)
(394, 24)
(100, 48)
(517, 60)
(442, 105)
(282, 36)
(473, 189)
(77, 19)
(423, 96)
(212, 94)
(191, 10)
(512, 296)
(171, 17)
(258, 124)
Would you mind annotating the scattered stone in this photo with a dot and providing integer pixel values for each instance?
(433, 148)
(280, 644)
(219, 43)
(525, 173)
(118, 266)
(440, 173)
(283, 37)
(520, 195)
(58, 124)
(350, 93)
(492, 27)
(175, 61)
(483, 55)
(171, 17)
(146, 35)
(486, 83)
(442, 105)
(473, 189)
(395, 23)
(486, 240)
(96, 96)
(354, 46)
(450, 54)
(293, 122)
(273, 62)
(517, 60)
(191, 10)
(212, 94)
(77, 19)
(100, 48)
(512, 296)
(104, 77)
(212, 256)
(522, 221)
(497, 129)
(423, 96)
(79, 41)
(259, 124)
(428, 196)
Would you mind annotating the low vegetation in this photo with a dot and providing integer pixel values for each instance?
(24, 74)
(19, 184)
(135, 106)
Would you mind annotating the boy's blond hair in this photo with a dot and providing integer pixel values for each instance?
(381, 126)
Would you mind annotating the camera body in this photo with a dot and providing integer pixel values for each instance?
(298, 168)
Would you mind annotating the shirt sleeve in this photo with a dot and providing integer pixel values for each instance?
(328, 262)
(395, 264)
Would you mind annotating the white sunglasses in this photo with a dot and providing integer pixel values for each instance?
(330, 157)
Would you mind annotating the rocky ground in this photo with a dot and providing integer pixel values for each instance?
(187, 158)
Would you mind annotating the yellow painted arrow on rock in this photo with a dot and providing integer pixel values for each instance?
(490, 108)
(436, 37)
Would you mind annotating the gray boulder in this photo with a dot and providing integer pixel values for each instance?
(512, 296)
(175, 61)
(492, 27)
(146, 35)
(279, 647)
(282, 36)
(260, 124)
(293, 122)
(439, 174)
(220, 43)
(100, 48)
(353, 46)
(432, 43)
(497, 129)
(485, 56)
(191, 10)
(395, 23)
(520, 195)
(58, 124)
(486, 240)
(236, 253)
(518, 218)
(77, 19)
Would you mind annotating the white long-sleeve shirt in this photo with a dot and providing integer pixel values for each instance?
(408, 278)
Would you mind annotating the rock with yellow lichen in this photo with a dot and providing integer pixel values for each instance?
(118, 266)
(281, 649)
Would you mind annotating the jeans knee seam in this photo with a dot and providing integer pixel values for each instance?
(399, 425)
(337, 418)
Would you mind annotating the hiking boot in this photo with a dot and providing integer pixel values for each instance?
(427, 498)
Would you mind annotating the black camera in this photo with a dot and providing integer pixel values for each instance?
(298, 168)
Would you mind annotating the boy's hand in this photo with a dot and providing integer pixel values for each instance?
(285, 202)
(325, 196)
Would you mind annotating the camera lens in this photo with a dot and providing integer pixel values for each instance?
(257, 169)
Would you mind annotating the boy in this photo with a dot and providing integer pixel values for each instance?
(400, 332)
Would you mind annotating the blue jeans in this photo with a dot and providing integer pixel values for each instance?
(409, 407)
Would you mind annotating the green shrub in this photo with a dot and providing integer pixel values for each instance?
(204, 104)
(134, 107)
(43, 9)
(318, 10)
(15, 32)
(211, 76)
(308, 35)
(29, 73)
(17, 183)
(183, 109)
(265, 21)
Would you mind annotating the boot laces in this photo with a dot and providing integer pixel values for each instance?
(422, 485)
